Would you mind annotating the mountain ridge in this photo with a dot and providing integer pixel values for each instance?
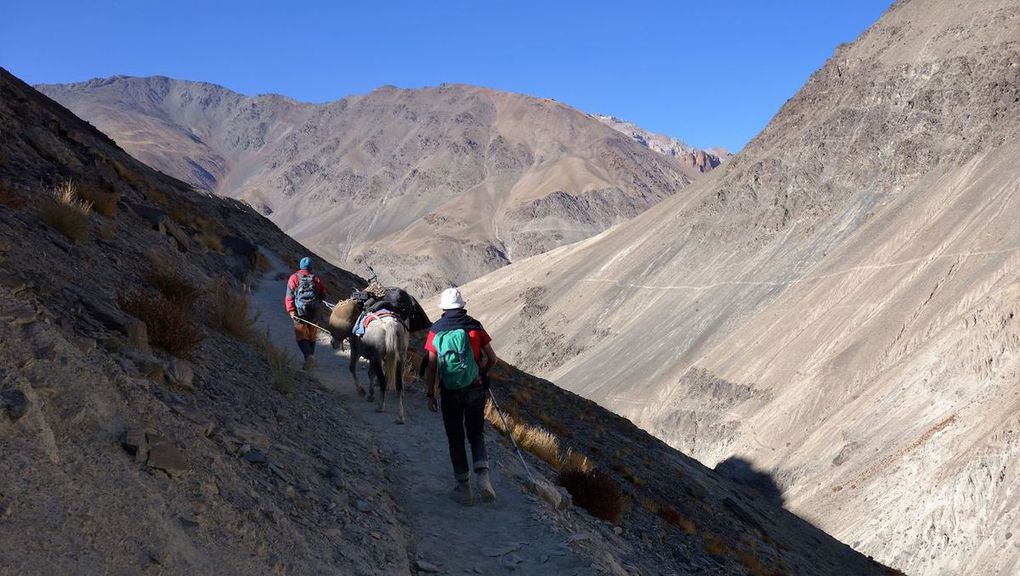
(395, 178)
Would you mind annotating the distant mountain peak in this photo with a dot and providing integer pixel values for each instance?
(703, 160)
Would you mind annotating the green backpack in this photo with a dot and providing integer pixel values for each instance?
(457, 366)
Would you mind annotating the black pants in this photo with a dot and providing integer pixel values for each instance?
(465, 410)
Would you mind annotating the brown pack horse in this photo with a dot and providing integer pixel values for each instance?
(341, 327)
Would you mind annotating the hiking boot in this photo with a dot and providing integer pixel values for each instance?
(309, 363)
(462, 494)
(485, 485)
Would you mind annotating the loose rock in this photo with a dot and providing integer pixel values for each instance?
(15, 403)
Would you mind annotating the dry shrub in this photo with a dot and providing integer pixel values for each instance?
(714, 545)
(539, 442)
(670, 514)
(10, 199)
(574, 461)
(168, 322)
(172, 286)
(594, 491)
(128, 175)
(552, 424)
(521, 395)
(649, 505)
(103, 201)
(211, 241)
(262, 264)
(754, 565)
(65, 212)
(279, 362)
(229, 313)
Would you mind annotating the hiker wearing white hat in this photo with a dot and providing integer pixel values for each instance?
(451, 299)
(460, 356)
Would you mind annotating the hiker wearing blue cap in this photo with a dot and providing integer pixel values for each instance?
(304, 293)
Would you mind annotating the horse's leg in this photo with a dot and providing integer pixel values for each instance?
(380, 378)
(374, 372)
(355, 353)
(400, 390)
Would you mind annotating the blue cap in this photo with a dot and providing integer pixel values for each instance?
(306, 263)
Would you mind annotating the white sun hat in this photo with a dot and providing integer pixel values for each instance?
(451, 299)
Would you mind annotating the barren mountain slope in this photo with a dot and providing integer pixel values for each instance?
(836, 303)
(431, 186)
(117, 456)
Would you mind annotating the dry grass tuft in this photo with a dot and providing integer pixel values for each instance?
(229, 312)
(754, 565)
(262, 264)
(211, 241)
(670, 514)
(10, 199)
(279, 362)
(574, 461)
(172, 286)
(103, 201)
(168, 322)
(539, 442)
(596, 492)
(65, 212)
(714, 545)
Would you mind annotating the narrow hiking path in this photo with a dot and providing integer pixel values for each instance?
(517, 532)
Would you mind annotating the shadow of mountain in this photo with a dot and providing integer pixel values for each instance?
(742, 471)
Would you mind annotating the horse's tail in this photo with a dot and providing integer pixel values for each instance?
(392, 342)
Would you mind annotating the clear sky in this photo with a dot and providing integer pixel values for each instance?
(711, 73)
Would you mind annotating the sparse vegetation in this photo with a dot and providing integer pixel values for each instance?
(572, 460)
(9, 199)
(539, 442)
(753, 564)
(671, 515)
(279, 362)
(65, 212)
(168, 322)
(594, 491)
(104, 201)
(714, 545)
(229, 313)
(262, 264)
(211, 241)
(172, 286)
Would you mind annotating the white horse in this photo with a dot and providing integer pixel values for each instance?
(385, 346)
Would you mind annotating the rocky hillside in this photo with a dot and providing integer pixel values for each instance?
(150, 424)
(837, 303)
(700, 160)
(430, 187)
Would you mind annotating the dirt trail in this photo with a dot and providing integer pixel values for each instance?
(516, 532)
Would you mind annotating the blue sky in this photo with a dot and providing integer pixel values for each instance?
(711, 73)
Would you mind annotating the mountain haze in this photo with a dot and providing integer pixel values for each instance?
(837, 303)
(431, 187)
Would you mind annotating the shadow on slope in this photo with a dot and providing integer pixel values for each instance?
(678, 513)
(743, 471)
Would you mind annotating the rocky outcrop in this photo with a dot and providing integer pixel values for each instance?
(690, 158)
